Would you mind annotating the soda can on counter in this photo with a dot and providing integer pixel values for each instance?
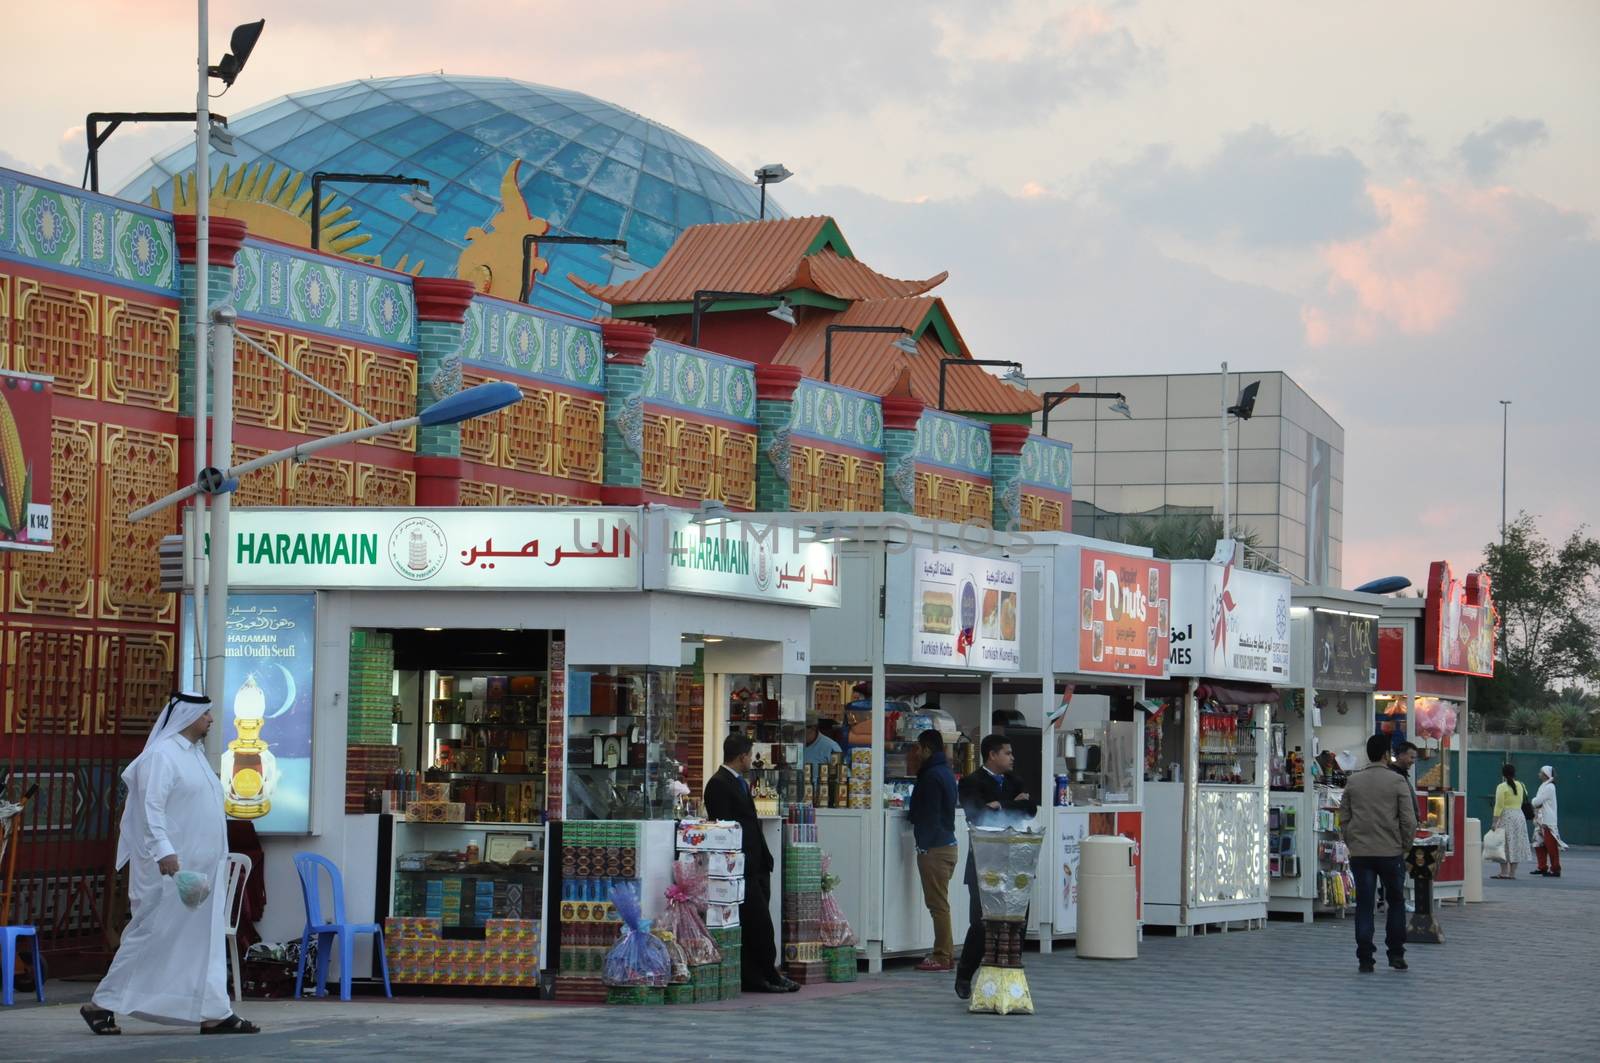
(1063, 790)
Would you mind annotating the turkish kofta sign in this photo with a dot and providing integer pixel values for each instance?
(468, 548)
(1122, 611)
(25, 513)
(1459, 622)
(1344, 651)
(965, 611)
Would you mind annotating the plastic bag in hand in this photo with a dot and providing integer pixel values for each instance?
(835, 928)
(686, 898)
(639, 959)
(193, 888)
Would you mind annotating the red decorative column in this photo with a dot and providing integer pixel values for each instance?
(1005, 473)
(627, 347)
(775, 388)
(442, 304)
(226, 238)
(901, 414)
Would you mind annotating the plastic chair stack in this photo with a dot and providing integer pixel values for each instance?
(310, 867)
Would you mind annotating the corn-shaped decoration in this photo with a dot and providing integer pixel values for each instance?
(14, 479)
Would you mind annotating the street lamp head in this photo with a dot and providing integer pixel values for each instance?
(224, 315)
(783, 312)
(473, 402)
(1015, 377)
(905, 343)
(1247, 401)
(240, 45)
(420, 200)
(1121, 406)
(773, 173)
(221, 140)
(616, 255)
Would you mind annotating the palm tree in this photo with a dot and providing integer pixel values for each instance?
(1524, 720)
(1190, 536)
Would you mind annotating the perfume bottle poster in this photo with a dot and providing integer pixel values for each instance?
(263, 728)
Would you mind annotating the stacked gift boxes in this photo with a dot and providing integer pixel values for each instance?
(367, 773)
(596, 855)
(508, 954)
(370, 699)
(861, 778)
(715, 847)
(802, 897)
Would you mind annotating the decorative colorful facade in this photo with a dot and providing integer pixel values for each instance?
(98, 293)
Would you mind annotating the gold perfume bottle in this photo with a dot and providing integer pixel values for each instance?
(249, 770)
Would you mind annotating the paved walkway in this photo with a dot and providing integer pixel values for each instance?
(1290, 992)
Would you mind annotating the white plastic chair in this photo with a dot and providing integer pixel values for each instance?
(239, 868)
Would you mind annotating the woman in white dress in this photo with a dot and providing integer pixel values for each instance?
(1509, 820)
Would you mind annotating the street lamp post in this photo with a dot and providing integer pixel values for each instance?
(770, 174)
(95, 137)
(905, 342)
(705, 298)
(1505, 439)
(1052, 399)
(1014, 377)
(1243, 409)
(419, 198)
(616, 253)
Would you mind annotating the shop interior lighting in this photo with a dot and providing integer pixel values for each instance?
(433, 629)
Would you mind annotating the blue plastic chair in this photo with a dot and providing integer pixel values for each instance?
(9, 936)
(310, 868)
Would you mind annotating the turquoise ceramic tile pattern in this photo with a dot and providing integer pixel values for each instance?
(532, 342)
(831, 414)
(1047, 463)
(62, 228)
(309, 291)
(954, 442)
(700, 382)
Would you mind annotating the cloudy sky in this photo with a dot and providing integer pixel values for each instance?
(1395, 203)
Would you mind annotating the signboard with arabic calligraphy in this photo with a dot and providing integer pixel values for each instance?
(955, 611)
(740, 559)
(1459, 622)
(579, 549)
(1117, 623)
(1229, 622)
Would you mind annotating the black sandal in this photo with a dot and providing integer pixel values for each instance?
(232, 1024)
(101, 1022)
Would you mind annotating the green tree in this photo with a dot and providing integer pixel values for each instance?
(1549, 604)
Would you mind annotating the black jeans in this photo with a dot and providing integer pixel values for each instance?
(972, 947)
(1369, 870)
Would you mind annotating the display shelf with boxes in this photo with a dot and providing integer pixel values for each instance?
(715, 848)
(755, 708)
(622, 733)
(485, 739)
(1283, 842)
(1335, 882)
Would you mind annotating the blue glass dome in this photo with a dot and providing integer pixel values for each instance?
(588, 167)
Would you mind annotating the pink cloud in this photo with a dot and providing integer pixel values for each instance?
(1412, 275)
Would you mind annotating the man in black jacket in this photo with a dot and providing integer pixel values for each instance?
(728, 797)
(990, 797)
(933, 825)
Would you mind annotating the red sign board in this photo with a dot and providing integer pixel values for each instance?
(25, 514)
(1124, 615)
(1459, 622)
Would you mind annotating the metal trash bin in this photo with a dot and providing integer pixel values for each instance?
(1108, 922)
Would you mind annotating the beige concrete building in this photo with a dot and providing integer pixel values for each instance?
(1287, 477)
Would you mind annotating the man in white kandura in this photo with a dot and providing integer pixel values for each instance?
(171, 967)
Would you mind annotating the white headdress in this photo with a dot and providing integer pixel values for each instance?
(182, 710)
(1548, 772)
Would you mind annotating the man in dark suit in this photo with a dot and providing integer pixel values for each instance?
(990, 797)
(728, 797)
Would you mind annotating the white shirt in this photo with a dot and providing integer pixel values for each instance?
(1544, 804)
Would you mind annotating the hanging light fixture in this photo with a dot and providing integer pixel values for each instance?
(783, 312)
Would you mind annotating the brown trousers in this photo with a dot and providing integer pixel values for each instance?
(937, 867)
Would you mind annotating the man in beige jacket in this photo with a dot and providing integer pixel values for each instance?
(1379, 819)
